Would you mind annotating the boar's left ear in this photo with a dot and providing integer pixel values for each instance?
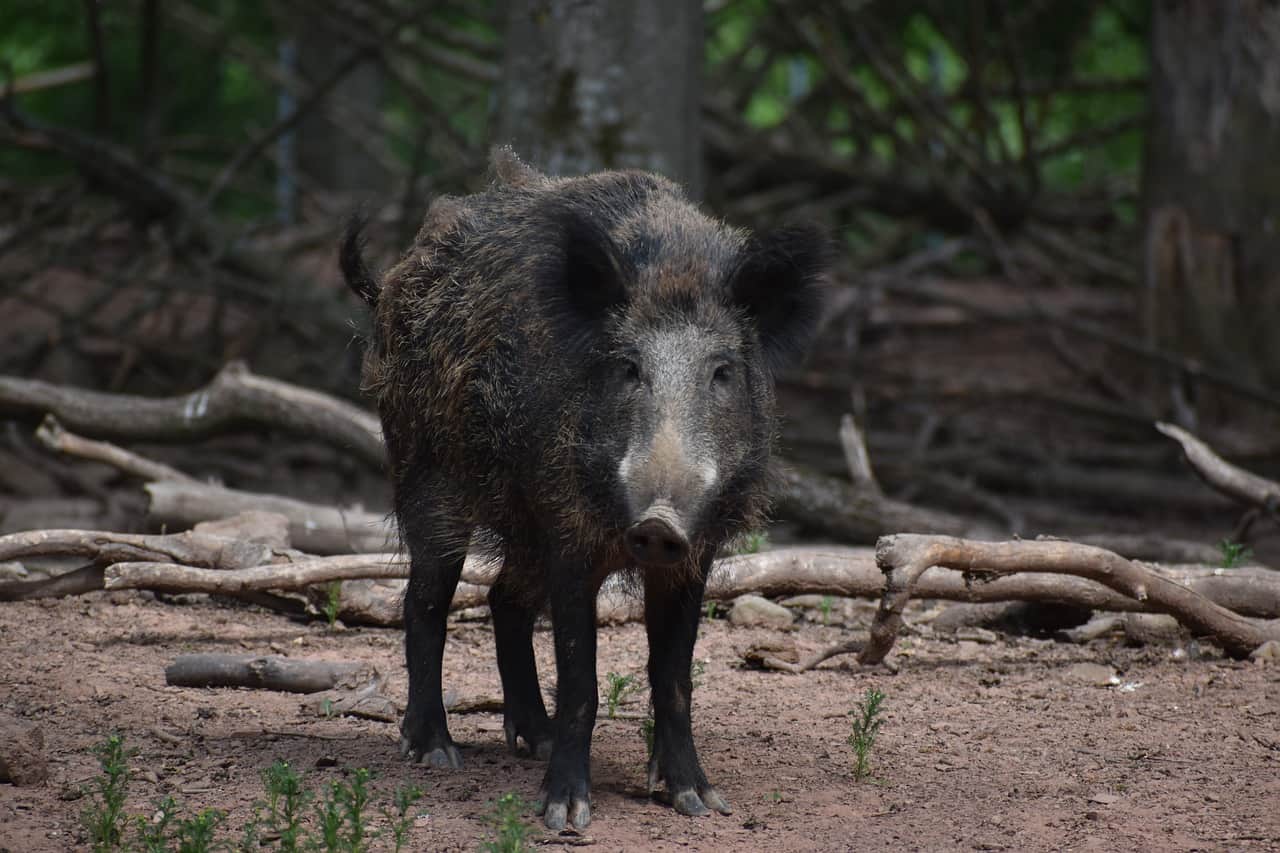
(780, 281)
(593, 273)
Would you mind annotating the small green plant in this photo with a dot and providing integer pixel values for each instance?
(617, 688)
(195, 834)
(753, 542)
(646, 732)
(714, 610)
(285, 801)
(507, 820)
(825, 608)
(775, 796)
(866, 727)
(104, 816)
(153, 832)
(399, 820)
(697, 669)
(1234, 553)
(332, 601)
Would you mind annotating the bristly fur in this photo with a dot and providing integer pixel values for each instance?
(487, 329)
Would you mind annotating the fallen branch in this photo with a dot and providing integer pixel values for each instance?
(234, 397)
(269, 673)
(57, 438)
(1232, 481)
(904, 558)
(830, 506)
(314, 528)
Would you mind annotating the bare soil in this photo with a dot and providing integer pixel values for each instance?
(990, 746)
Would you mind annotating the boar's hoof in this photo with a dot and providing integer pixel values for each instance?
(539, 744)
(440, 757)
(655, 541)
(558, 812)
(699, 803)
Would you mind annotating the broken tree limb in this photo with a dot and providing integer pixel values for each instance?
(904, 558)
(856, 457)
(314, 528)
(825, 504)
(1232, 481)
(234, 397)
(191, 548)
(269, 672)
(54, 436)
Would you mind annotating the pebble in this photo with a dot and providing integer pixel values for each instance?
(754, 611)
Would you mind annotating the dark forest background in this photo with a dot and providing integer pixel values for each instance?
(1059, 220)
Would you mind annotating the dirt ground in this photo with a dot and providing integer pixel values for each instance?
(988, 746)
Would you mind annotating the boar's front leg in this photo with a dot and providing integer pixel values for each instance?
(671, 612)
(436, 563)
(566, 788)
(524, 714)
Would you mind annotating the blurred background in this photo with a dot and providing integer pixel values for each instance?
(1059, 220)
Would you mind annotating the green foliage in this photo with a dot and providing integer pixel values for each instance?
(332, 601)
(753, 542)
(696, 670)
(196, 834)
(104, 816)
(340, 825)
(866, 727)
(511, 831)
(617, 688)
(399, 820)
(646, 732)
(1234, 553)
(825, 608)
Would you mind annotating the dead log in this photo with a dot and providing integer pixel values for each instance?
(830, 506)
(234, 397)
(314, 528)
(269, 673)
(190, 548)
(904, 558)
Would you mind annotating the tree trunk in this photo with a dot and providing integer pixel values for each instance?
(596, 84)
(327, 155)
(1212, 186)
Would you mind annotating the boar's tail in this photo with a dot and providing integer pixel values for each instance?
(351, 258)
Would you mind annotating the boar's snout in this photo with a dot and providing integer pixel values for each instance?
(658, 538)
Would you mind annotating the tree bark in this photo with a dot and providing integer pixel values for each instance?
(1212, 187)
(595, 84)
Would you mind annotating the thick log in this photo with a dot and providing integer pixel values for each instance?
(235, 397)
(270, 673)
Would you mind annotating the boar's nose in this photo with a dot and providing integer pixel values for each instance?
(657, 539)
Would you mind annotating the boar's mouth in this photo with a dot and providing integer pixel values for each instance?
(658, 539)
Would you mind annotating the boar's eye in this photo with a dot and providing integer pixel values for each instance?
(722, 374)
(630, 371)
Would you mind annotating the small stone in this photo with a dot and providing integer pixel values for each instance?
(754, 611)
(1093, 673)
(22, 757)
(13, 572)
(1269, 651)
(1104, 798)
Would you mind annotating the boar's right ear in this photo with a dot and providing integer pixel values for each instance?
(351, 259)
(593, 274)
(780, 281)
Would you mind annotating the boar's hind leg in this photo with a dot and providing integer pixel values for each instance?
(436, 563)
(566, 786)
(524, 715)
(671, 621)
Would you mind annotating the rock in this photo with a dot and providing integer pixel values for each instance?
(22, 758)
(754, 611)
(13, 572)
(1093, 673)
(1270, 651)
